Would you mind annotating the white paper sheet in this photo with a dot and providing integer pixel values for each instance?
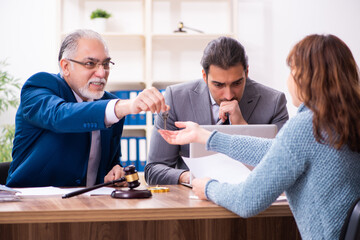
(48, 191)
(218, 166)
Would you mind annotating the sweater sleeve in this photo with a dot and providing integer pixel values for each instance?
(248, 150)
(276, 172)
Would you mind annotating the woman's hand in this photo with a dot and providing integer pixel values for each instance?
(192, 132)
(198, 187)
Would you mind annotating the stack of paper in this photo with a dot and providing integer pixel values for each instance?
(8, 194)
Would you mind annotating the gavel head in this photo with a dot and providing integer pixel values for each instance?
(131, 176)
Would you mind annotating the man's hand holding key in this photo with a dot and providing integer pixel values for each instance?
(148, 100)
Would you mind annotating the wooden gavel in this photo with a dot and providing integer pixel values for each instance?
(131, 177)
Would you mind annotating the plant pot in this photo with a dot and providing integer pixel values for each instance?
(99, 24)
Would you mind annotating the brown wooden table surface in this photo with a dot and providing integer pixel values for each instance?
(41, 217)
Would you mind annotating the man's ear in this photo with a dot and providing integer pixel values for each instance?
(65, 65)
(247, 71)
(204, 76)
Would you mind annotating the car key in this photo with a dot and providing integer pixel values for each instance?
(165, 116)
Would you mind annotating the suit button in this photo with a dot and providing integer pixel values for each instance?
(84, 125)
(78, 181)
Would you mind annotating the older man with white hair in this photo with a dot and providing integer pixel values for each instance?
(68, 128)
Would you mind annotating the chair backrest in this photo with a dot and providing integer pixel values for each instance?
(352, 227)
(4, 170)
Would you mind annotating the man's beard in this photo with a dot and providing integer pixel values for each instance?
(86, 93)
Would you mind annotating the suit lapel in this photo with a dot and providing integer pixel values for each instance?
(67, 92)
(249, 99)
(200, 104)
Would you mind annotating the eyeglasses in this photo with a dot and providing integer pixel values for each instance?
(91, 64)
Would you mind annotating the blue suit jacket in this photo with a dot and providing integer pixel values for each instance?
(53, 135)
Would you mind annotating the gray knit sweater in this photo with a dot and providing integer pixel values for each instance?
(320, 182)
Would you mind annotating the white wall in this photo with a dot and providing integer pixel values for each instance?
(282, 23)
(267, 28)
(29, 40)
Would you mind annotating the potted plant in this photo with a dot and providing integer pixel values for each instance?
(9, 91)
(98, 18)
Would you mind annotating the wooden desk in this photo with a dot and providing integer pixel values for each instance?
(171, 215)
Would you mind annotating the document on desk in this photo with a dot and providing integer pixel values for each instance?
(48, 191)
(218, 166)
(8, 194)
(222, 168)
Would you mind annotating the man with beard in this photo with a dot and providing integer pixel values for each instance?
(225, 95)
(68, 128)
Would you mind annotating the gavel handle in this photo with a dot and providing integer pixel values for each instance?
(88, 189)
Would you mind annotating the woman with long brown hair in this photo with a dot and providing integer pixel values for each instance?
(314, 159)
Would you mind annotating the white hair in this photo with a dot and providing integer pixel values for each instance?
(70, 43)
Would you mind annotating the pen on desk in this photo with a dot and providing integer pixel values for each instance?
(88, 189)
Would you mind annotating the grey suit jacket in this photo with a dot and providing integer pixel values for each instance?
(190, 101)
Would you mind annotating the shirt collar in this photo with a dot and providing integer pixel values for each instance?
(212, 99)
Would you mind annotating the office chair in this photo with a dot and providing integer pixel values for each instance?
(351, 229)
(4, 169)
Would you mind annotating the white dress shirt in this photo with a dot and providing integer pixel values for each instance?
(214, 109)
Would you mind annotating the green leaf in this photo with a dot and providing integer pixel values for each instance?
(6, 143)
(99, 13)
(9, 87)
(9, 96)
